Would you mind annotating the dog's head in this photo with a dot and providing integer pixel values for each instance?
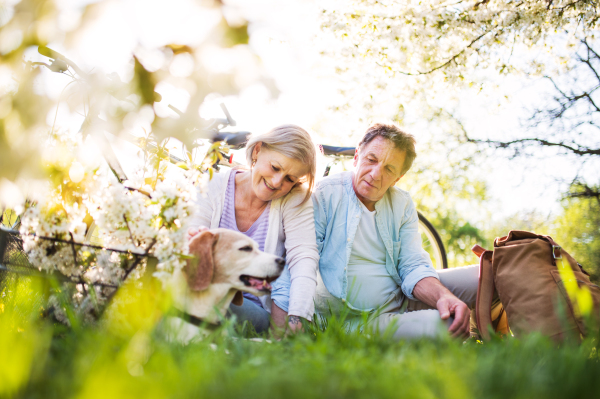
(227, 257)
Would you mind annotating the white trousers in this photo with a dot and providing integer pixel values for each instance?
(414, 319)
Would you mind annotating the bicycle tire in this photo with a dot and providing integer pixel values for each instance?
(432, 243)
(9, 219)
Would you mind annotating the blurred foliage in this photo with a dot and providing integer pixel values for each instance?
(24, 340)
(449, 196)
(459, 236)
(577, 229)
(41, 360)
(125, 90)
(145, 83)
(235, 34)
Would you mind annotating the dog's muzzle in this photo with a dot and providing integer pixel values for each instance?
(263, 283)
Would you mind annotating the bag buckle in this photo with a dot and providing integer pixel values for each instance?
(555, 251)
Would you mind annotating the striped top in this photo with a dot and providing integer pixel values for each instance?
(258, 230)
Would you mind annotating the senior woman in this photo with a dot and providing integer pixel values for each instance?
(270, 202)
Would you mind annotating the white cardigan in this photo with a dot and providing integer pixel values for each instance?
(291, 234)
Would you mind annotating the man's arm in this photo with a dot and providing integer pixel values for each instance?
(414, 263)
(320, 219)
(430, 291)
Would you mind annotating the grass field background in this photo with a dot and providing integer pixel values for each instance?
(125, 355)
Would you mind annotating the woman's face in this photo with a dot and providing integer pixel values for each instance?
(274, 174)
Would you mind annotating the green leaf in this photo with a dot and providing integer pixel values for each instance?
(145, 82)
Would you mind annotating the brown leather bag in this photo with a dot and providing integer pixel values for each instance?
(522, 269)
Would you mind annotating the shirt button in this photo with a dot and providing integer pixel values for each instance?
(344, 300)
(348, 240)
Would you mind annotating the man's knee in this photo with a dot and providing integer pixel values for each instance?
(462, 282)
(412, 325)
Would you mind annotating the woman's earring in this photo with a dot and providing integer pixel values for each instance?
(253, 162)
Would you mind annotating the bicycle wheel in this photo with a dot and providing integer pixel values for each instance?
(432, 243)
(10, 220)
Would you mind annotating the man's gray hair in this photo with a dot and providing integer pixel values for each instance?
(293, 142)
(402, 141)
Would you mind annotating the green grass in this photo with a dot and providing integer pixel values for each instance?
(130, 358)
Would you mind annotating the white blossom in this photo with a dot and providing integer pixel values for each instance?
(129, 226)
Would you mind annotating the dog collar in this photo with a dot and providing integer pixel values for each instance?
(197, 321)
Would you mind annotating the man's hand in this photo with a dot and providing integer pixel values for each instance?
(193, 231)
(430, 291)
(449, 305)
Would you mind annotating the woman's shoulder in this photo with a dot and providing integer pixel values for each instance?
(214, 189)
(296, 197)
(218, 180)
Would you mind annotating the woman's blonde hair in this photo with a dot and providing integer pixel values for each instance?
(293, 142)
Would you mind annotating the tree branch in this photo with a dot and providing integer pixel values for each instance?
(454, 57)
(129, 229)
(584, 191)
(505, 144)
(131, 268)
(588, 62)
(79, 244)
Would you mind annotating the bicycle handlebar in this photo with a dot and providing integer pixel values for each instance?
(235, 140)
(330, 150)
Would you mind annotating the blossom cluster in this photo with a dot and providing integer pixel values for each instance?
(418, 53)
(108, 236)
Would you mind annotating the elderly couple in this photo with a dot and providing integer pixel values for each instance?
(351, 243)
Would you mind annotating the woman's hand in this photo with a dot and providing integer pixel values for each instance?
(282, 323)
(294, 324)
(193, 231)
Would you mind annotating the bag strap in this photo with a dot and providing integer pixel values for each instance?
(485, 291)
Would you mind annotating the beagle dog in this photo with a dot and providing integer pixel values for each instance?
(224, 264)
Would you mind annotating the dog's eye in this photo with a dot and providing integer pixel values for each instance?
(247, 248)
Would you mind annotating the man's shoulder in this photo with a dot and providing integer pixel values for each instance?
(334, 181)
(334, 189)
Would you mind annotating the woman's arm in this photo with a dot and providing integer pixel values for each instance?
(302, 256)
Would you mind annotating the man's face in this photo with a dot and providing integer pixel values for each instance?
(378, 165)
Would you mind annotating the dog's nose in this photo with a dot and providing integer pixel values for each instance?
(280, 262)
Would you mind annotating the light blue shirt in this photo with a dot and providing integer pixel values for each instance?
(337, 213)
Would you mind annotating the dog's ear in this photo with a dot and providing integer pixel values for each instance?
(238, 298)
(200, 269)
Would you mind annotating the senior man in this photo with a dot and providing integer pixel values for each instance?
(371, 257)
